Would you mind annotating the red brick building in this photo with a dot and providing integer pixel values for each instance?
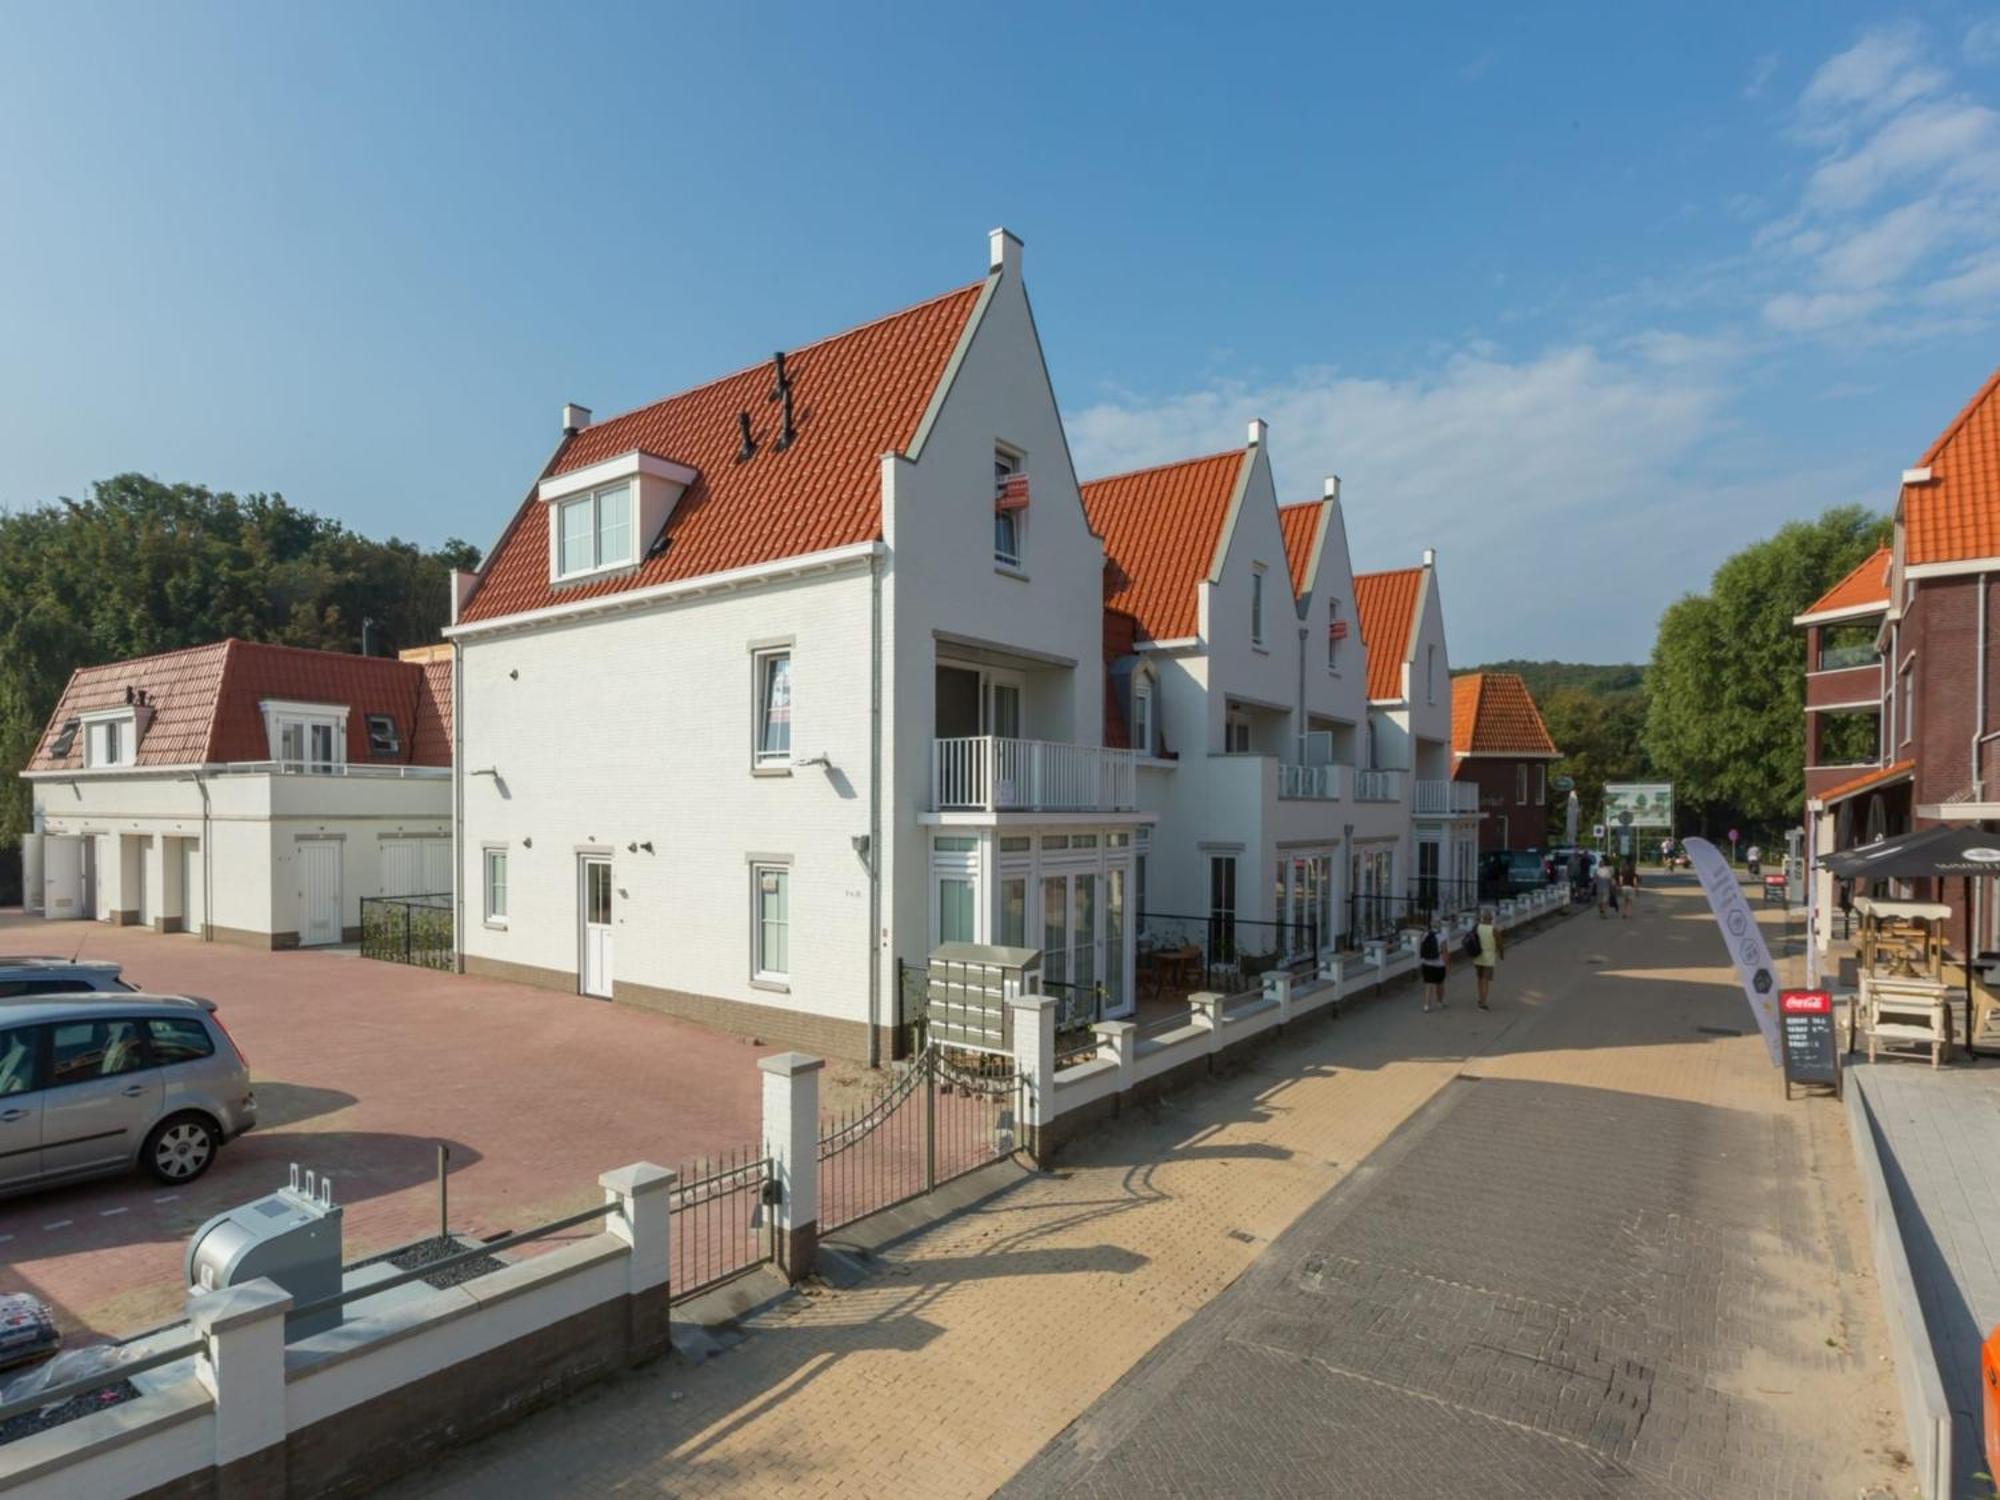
(1500, 744)
(1910, 643)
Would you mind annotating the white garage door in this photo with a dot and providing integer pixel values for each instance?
(416, 867)
(317, 863)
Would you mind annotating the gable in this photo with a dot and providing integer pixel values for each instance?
(1387, 606)
(1493, 713)
(1161, 528)
(1954, 516)
(1302, 526)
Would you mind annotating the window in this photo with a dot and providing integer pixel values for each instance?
(1236, 732)
(495, 882)
(1431, 674)
(109, 741)
(955, 916)
(12, 987)
(1336, 631)
(382, 736)
(771, 894)
(1257, 607)
(306, 736)
(1014, 911)
(1541, 786)
(65, 739)
(1909, 705)
(594, 531)
(1221, 908)
(1521, 785)
(20, 1060)
(1010, 508)
(774, 708)
(1142, 717)
(179, 1039)
(83, 1050)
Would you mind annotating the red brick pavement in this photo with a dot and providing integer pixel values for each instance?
(361, 1068)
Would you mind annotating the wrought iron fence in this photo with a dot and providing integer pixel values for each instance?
(408, 930)
(1437, 896)
(946, 1115)
(1222, 952)
(722, 1221)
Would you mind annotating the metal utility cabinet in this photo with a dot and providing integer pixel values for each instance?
(291, 1236)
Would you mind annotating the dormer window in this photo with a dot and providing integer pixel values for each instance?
(307, 737)
(110, 739)
(594, 531)
(382, 737)
(1142, 716)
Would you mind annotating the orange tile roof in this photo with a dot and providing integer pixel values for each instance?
(1493, 713)
(1867, 584)
(206, 703)
(1956, 516)
(1386, 604)
(1300, 523)
(1842, 790)
(858, 395)
(1160, 528)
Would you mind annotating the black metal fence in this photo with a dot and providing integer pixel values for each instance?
(1435, 896)
(946, 1115)
(408, 930)
(722, 1221)
(1221, 952)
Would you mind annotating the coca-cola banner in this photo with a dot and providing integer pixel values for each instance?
(1741, 936)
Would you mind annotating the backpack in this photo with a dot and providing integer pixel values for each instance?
(1472, 946)
(1433, 950)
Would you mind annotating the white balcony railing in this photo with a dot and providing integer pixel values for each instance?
(1445, 798)
(1318, 783)
(986, 773)
(1378, 786)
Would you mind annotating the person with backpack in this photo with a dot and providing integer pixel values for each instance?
(1432, 958)
(1484, 947)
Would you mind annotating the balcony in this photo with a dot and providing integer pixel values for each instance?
(1839, 658)
(1378, 786)
(1445, 799)
(1309, 783)
(985, 773)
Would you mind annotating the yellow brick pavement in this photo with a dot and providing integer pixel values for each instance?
(989, 1333)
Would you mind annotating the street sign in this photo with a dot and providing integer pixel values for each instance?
(1597, 832)
(1734, 835)
(1564, 783)
(1651, 803)
(1811, 1058)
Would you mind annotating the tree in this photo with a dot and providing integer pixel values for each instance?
(1726, 720)
(1601, 736)
(142, 566)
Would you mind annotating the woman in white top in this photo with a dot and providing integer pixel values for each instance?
(1490, 950)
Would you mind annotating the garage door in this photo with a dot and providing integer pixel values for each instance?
(416, 867)
(317, 863)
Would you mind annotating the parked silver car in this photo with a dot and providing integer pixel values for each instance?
(93, 1084)
(34, 975)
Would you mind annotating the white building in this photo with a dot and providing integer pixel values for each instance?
(774, 684)
(1239, 676)
(248, 793)
(1409, 744)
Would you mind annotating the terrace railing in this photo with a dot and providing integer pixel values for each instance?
(989, 773)
(1445, 798)
(1378, 786)
(1314, 783)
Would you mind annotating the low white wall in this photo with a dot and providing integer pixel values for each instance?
(125, 1450)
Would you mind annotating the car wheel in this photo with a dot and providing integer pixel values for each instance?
(180, 1149)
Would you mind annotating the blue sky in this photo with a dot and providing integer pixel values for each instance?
(1584, 299)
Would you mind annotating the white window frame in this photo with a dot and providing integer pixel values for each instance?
(1006, 463)
(1232, 720)
(762, 973)
(1142, 714)
(493, 856)
(280, 713)
(762, 658)
(394, 746)
(599, 562)
(1541, 784)
(119, 724)
(1521, 783)
(1257, 604)
(1908, 687)
(1332, 640)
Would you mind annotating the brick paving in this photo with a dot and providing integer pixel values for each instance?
(1618, 1263)
(361, 1068)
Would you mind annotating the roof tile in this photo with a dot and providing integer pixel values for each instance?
(1956, 516)
(1160, 528)
(1300, 524)
(1866, 584)
(1493, 713)
(1386, 604)
(1841, 790)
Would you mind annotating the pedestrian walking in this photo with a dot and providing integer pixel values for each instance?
(1631, 887)
(1488, 957)
(1607, 893)
(1433, 959)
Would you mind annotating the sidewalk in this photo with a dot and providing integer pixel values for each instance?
(983, 1338)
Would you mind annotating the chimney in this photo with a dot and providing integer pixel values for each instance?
(1003, 253)
(1430, 557)
(575, 418)
(1259, 430)
(1333, 488)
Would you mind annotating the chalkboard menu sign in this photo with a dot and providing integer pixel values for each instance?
(1810, 1055)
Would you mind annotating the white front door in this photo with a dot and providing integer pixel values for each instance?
(62, 879)
(594, 968)
(318, 864)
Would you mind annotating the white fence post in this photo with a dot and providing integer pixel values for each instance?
(1207, 1008)
(243, 1365)
(645, 1221)
(791, 1141)
(1278, 986)
(1035, 1065)
(1117, 1037)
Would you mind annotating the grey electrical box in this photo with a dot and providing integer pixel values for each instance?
(291, 1236)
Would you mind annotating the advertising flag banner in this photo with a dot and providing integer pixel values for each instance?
(1740, 935)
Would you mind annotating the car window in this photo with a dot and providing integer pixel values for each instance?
(84, 1050)
(178, 1039)
(20, 1060)
(12, 987)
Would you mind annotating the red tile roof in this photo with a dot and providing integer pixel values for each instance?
(1842, 790)
(1301, 525)
(858, 395)
(1867, 584)
(1121, 639)
(1493, 713)
(1386, 604)
(1956, 515)
(206, 703)
(1160, 528)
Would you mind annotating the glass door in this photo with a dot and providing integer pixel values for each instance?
(594, 972)
(1117, 998)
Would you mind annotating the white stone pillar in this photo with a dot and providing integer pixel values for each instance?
(242, 1363)
(791, 1140)
(1278, 986)
(645, 1220)
(1207, 1008)
(1034, 1018)
(1116, 1039)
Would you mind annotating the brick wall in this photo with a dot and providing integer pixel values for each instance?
(1507, 823)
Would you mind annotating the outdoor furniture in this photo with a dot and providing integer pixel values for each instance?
(1909, 1012)
(1904, 1000)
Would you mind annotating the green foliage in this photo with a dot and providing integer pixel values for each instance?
(1726, 721)
(1546, 678)
(143, 566)
(1597, 717)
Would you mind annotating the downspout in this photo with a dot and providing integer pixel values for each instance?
(1980, 600)
(207, 867)
(874, 808)
(457, 805)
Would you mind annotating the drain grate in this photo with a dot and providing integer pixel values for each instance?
(1243, 1235)
(1719, 1030)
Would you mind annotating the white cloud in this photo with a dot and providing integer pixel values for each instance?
(1958, 140)
(1878, 75)
(1982, 42)
(1760, 74)
(1887, 249)
(1794, 312)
